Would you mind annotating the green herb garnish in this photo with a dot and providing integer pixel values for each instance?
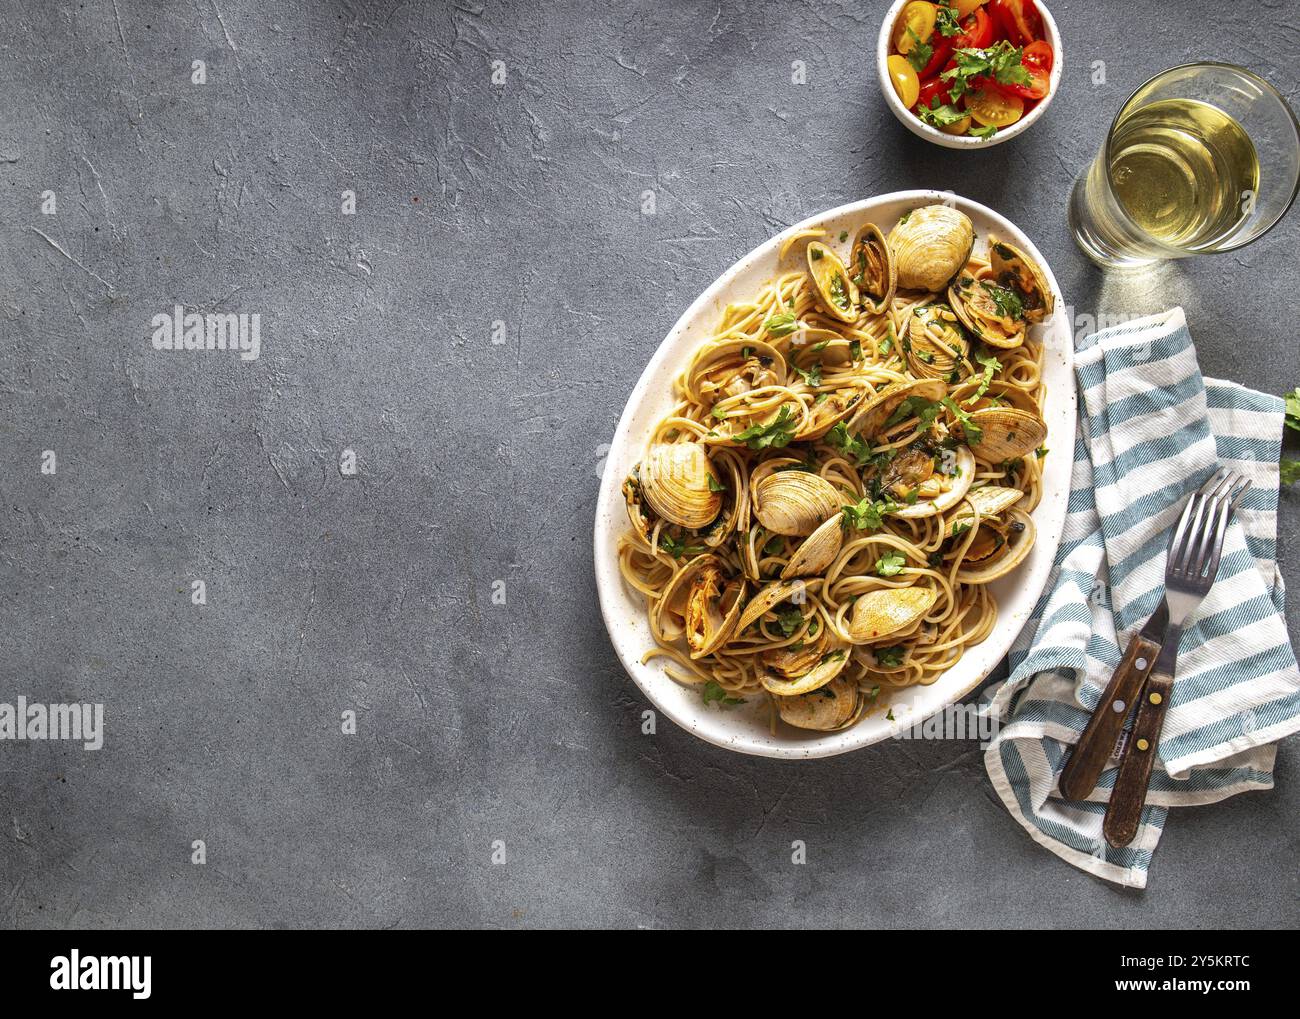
(781, 324)
(891, 564)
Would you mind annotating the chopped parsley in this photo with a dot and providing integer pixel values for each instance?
(714, 693)
(920, 53)
(776, 433)
(782, 324)
(972, 431)
(984, 131)
(1007, 302)
(789, 620)
(850, 445)
(891, 564)
(677, 547)
(945, 20)
(868, 514)
(915, 406)
(1001, 62)
(715, 485)
(940, 114)
(890, 657)
(813, 376)
(991, 366)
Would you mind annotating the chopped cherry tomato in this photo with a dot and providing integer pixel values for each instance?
(914, 26)
(976, 33)
(1038, 54)
(1019, 19)
(993, 108)
(906, 83)
(1037, 60)
(934, 87)
(942, 52)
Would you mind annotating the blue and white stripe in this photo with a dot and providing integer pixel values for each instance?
(1151, 430)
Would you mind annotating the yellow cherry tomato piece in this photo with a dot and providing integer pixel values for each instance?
(964, 7)
(994, 108)
(919, 17)
(904, 77)
(960, 127)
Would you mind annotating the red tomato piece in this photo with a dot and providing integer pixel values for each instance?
(930, 89)
(976, 33)
(1037, 59)
(942, 52)
(1019, 19)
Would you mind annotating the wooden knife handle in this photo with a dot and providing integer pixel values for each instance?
(1094, 748)
(1124, 814)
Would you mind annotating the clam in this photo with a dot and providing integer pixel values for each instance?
(930, 246)
(989, 310)
(874, 415)
(836, 293)
(817, 552)
(832, 706)
(1016, 271)
(794, 502)
(938, 492)
(998, 547)
(735, 501)
(888, 611)
(872, 269)
(828, 410)
(825, 667)
(636, 511)
(989, 501)
(766, 600)
(734, 368)
(1005, 433)
(678, 481)
(936, 342)
(703, 603)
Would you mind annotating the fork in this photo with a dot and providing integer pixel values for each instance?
(1190, 570)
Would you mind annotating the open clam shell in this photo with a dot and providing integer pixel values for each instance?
(989, 310)
(873, 415)
(827, 708)
(889, 610)
(818, 550)
(826, 667)
(936, 342)
(872, 269)
(988, 501)
(1016, 271)
(956, 488)
(837, 295)
(734, 367)
(766, 600)
(1002, 546)
(702, 603)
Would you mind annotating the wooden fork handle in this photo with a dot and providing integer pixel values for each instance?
(1094, 748)
(1124, 814)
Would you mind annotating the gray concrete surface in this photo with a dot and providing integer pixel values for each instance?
(518, 203)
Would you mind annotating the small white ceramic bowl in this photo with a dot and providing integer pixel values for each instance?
(949, 141)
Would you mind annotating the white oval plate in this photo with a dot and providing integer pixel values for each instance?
(745, 728)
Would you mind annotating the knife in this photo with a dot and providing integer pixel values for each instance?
(1095, 746)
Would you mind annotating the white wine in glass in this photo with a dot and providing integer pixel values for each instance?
(1180, 175)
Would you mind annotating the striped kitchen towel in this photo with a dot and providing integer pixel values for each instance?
(1151, 430)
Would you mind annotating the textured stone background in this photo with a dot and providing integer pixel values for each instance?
(517, 202)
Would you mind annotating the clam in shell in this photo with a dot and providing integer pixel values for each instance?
(952, 489)
(930, 246)
(872, 417)
(1016, 271)
(888, 611)
(989, 501)
(837, 295)
(818, 550)
(872, 269)
(999, 546)
(794, 502)
(825, 668)
(675, 482)
(989, 310)
(1005, 433)
(702, 602)
(936, 342)
(827, 708)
